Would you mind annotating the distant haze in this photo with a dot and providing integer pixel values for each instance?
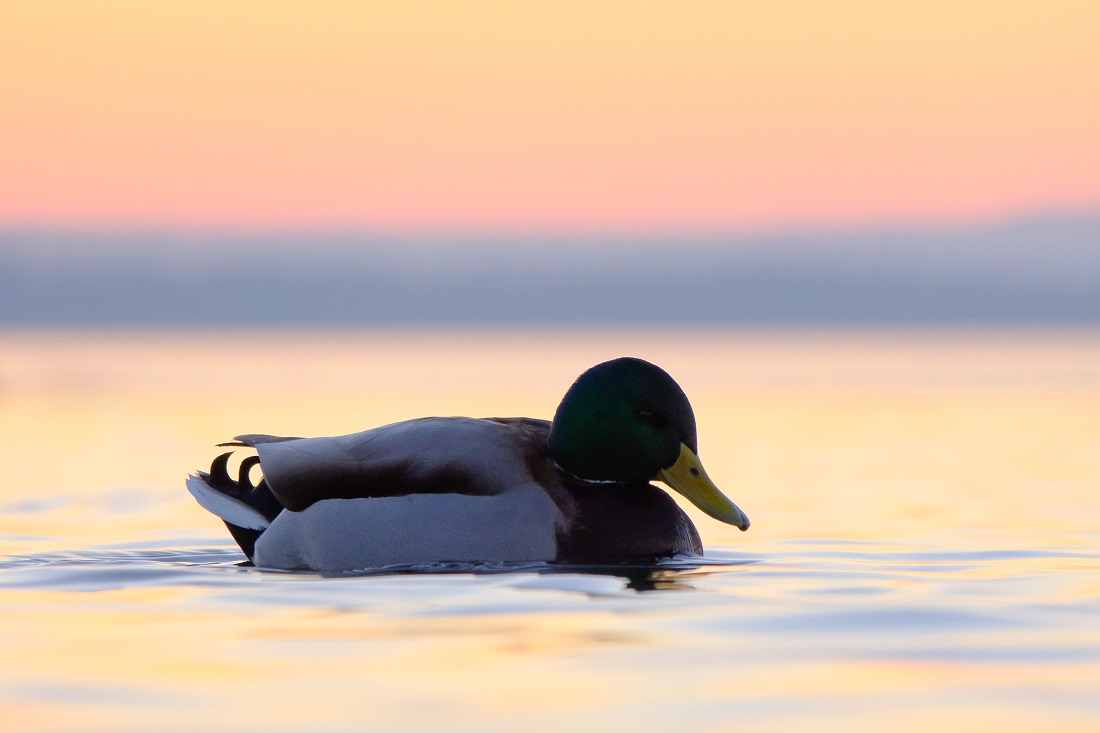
(1034, 271)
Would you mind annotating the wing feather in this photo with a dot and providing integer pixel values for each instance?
(435, 455)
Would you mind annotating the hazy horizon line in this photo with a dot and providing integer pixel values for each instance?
(788, 228)
(1034, 270)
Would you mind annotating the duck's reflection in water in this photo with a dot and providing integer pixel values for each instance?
(638, 578)
(595, 580)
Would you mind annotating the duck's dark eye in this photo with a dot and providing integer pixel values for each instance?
(655, 420)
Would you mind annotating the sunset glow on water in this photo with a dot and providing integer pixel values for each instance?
(923, 550)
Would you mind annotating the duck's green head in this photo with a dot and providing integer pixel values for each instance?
(628, 420)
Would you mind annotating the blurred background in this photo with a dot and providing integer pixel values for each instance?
(575, 163)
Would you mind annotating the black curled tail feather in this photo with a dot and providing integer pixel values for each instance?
(258, 496)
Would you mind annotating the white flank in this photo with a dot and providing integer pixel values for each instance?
(231, 510)
(353, 534)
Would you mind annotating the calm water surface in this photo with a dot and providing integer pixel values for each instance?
(924, 552)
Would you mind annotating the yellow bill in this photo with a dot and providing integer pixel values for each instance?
(688, 477)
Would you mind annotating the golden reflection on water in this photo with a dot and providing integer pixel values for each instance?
(304, 667)
(927, 449)
(843, 435)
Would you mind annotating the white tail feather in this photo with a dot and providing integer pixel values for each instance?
(231, 510)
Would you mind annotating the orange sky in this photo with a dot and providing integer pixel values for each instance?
(535, 115)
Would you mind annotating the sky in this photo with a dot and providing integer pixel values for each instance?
(545, 116)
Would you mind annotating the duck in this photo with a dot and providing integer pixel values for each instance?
(577, 489)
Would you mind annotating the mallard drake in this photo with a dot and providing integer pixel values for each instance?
(574, 490)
